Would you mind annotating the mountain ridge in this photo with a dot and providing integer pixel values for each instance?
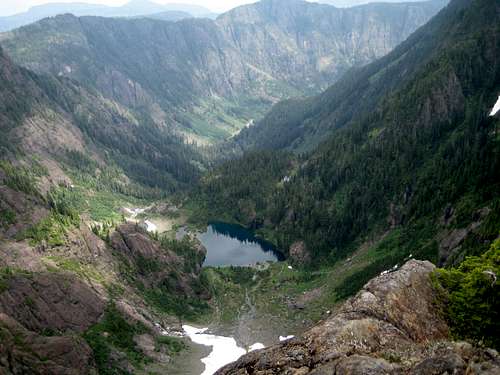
(216, 76)
(130, 9)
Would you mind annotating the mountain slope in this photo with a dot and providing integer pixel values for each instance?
(50, 118)
(210, 78)
(76, 297)
(411, 172)
(307, 123)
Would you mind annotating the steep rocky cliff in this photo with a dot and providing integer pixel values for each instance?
(210, 78)
(394, 325)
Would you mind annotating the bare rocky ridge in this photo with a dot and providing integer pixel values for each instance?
(392, 326)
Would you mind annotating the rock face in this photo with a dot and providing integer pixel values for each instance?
(392, 326)
(25, 352)
(40, 317)
(299, 254)
(51, 302)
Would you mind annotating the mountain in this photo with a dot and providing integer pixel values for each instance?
(208, 79)
(398, 160)
(405, 161)
(352, 3)
(58, 120)
(171, 15)
(302, 125)
(132, 9)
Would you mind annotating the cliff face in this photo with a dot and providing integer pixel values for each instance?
(310, 45)
(392, 326)
(55, 303)
(209, 78)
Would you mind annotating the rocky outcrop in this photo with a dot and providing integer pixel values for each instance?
(299, 253)
(156, 265)
(392, 326)
(451, 239)
(40, 317)
(42, 302)
(25, 352)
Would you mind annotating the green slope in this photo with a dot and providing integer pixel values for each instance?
(412, 155)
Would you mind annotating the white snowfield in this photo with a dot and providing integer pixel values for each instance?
(134, 211)
(224, 349)
(496, 107)
(284, 338)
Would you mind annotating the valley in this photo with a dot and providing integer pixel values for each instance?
(291, 187)
(207, 79)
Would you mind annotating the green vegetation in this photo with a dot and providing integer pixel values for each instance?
(112, 334)
(398, 166)
(185, 248)
(173, 345)
(167, 301)
(50, 230)
(53, 228)
(471, 297)
(6, 273)
(19, 178)
(76, 267)
(7, 217)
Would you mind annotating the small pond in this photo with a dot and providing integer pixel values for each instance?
(233, 245)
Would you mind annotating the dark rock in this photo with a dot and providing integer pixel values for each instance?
(362, 365)
(450, 363)
(25, 352)
(53, 302)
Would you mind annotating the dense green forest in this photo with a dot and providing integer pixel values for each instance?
(429, 151)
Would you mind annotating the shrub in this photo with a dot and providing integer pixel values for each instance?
(471, 294)
(7, 217)
(114, 332)
(19, 178)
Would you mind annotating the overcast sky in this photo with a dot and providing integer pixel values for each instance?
(8, 7)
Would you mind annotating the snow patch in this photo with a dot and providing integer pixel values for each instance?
(284, 338)
(496, 107)
(256, 346)
(224, 349)
(150, 226)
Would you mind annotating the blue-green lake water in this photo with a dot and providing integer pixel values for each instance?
(233, 245)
